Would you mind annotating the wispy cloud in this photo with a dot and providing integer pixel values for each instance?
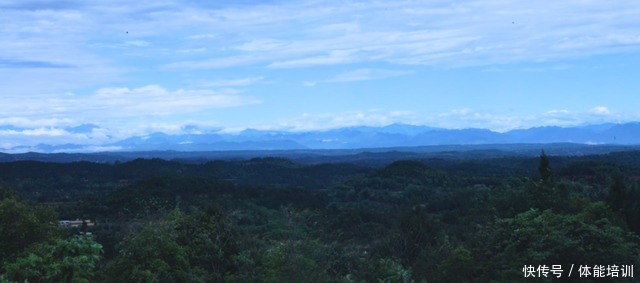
(360, 75)
(26, 139)
(460, 118)
(367, 74)
(600, 110)
(326, 121)
(120, 105)
(320, 33)
(231, 82)
(115, 113)
(556, 113)
(202, 36)
(215, 63)
(333, 57)
(467, 117)
(329, 32)
(17, 64)
(137, 43)
(480, 33)
(23, 122)
(156, 100)
(191, 50)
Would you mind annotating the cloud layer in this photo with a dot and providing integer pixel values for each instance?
(296, 34)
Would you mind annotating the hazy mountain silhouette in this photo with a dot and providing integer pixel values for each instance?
(395, 135)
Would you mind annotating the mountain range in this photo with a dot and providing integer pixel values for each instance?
(395, 135)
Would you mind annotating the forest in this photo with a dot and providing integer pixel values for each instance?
(545, 218)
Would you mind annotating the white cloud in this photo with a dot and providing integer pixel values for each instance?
(202, 36)
(480, 32)
(453, 119)
(309, 83)
(192, 50)
(555, 113)
(310, 33)
(360, 75)
(215, 63)
(137, 43)
(23, 122)
(35, 132)
(91, 148)
(460, 112)
(367, 74)
(326, 121)
(117, 107)
(261, 45)
(154, 100)
(301, 34)
(27, 139)
(333, 57)
(56, 37)
(469, 118)
(232, 82)
(600, 110)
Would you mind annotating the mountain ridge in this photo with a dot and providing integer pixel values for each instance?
(389, 136)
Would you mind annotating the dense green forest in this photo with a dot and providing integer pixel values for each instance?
(438, 219)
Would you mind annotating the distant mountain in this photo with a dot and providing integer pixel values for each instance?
(596, 134)
(395, 135)
(391, 136)
(205, 142)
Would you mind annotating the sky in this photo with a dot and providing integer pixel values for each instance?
(94, 72)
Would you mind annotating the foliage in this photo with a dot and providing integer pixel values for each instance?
(392, 272)
(69, 260)
(297, 261)
(23, 225)
(177, 248)
(543, 237)
(151, 255)
(464, 217)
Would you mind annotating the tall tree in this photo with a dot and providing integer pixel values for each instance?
(617, 192)
(546, 175)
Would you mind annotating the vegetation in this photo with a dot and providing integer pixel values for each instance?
(274, 220)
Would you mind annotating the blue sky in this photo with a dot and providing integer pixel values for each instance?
(190, 66)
